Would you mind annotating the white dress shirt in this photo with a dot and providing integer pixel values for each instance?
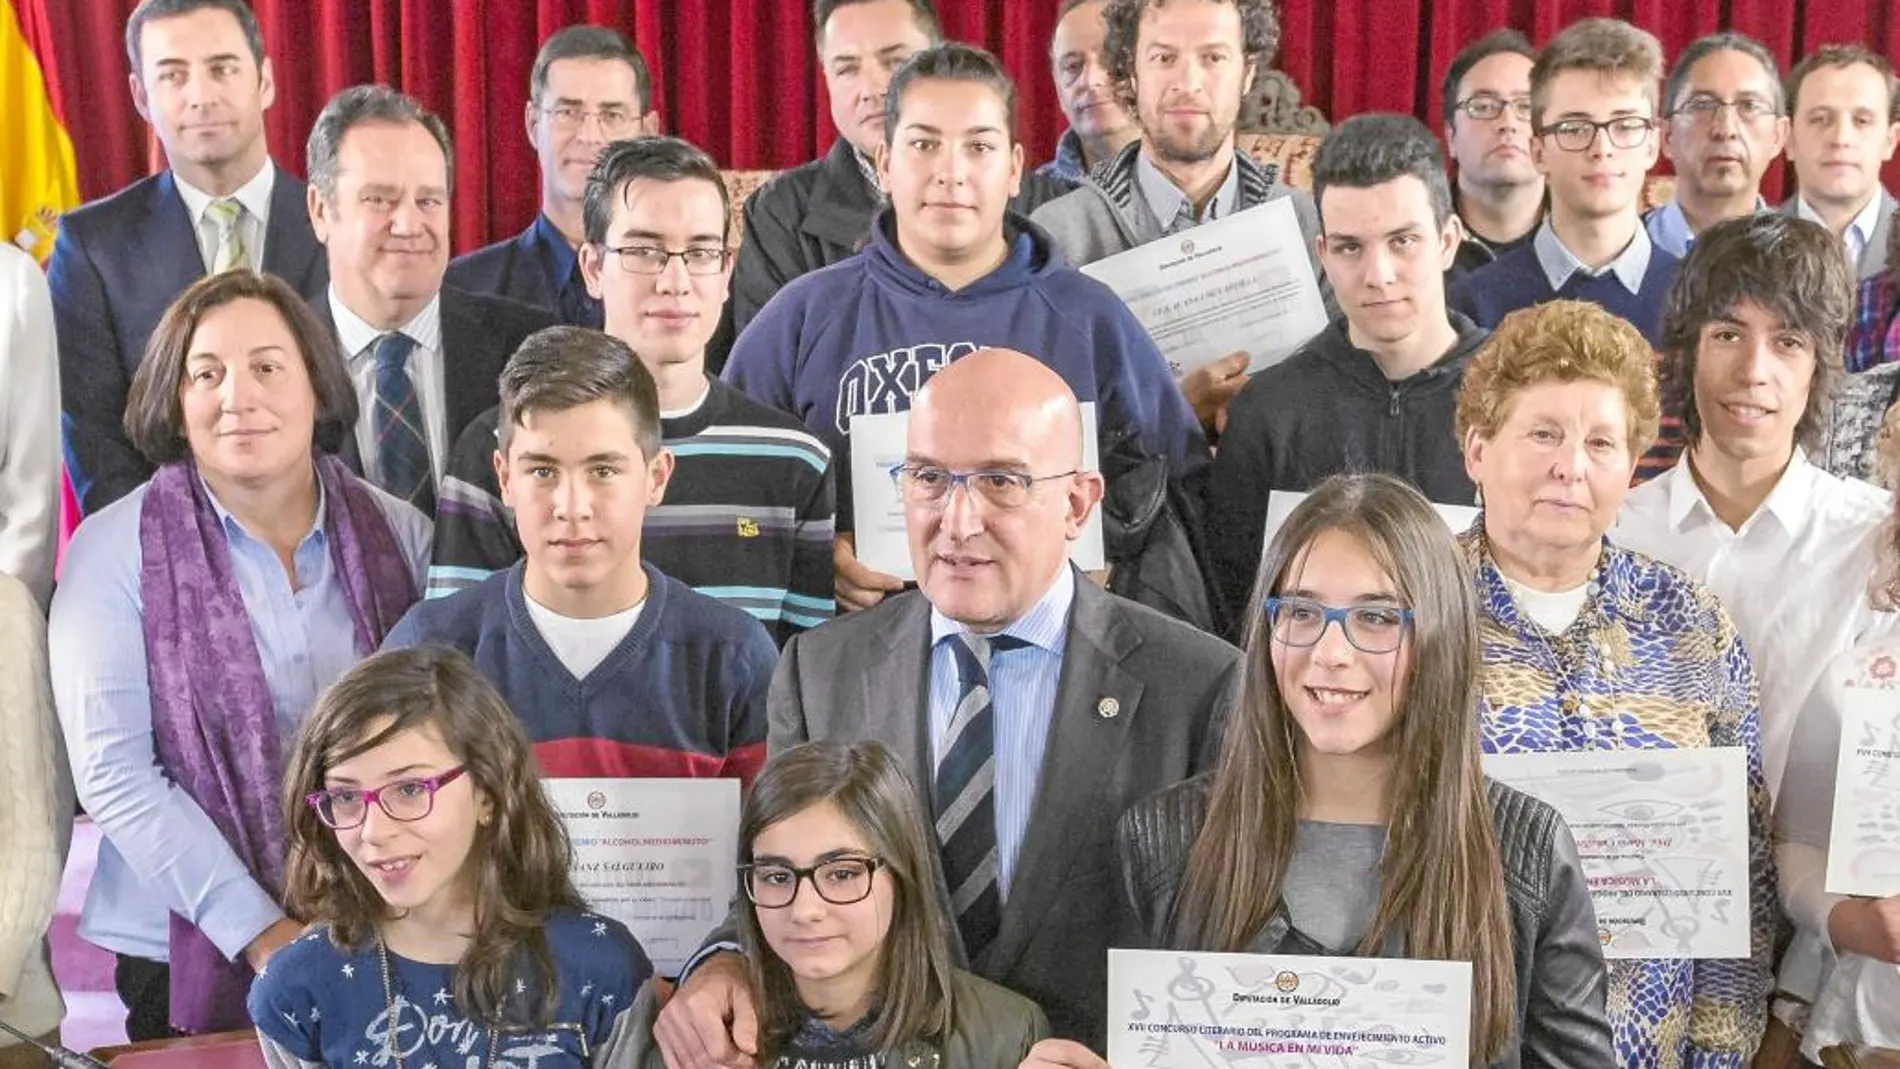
(1860, 230)
(425, 372)
(254, 195)
(1794, 577)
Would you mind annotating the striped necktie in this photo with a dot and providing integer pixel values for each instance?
(963, 795)
(225, 212)
(402, 445)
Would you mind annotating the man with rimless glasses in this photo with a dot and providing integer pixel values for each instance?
(589, 87)
(1726, 123)
(1031, 707)
(1593, 123)
(747, 516)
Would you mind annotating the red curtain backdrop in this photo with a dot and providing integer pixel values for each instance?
(738, 77)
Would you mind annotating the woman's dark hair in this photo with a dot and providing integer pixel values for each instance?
(871, 790)
(1441, 884)
(154, 413)
(519, 860)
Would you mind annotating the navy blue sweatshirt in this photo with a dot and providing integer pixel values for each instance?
(861, 336)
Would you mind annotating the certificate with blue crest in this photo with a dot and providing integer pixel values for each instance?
(1174, 1010)
(1863, 856)
(657, 855)
(1664, 840)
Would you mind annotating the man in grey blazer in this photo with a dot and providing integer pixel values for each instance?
(1098, 701)
(1845, 102)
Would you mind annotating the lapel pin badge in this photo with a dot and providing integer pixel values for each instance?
(1108, 708)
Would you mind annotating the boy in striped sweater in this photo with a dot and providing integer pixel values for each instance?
(747, 514)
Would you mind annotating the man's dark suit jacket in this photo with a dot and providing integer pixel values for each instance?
(118, 264)
(810, 217)
(1140, 706)
(515, 268)
(479, 333)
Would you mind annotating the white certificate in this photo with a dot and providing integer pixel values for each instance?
(1174, 1010)
(1664, 840)
(877, 447)
(657, 855)
(1239, 284)
(1863, 856)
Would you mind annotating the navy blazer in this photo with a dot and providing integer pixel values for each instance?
(515, 268)
(117, 266)
(479, 333)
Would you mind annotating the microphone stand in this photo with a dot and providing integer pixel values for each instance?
(62, 1057)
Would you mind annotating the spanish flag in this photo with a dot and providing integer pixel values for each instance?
(37, 177)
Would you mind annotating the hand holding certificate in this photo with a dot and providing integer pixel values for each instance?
(1863, 856)
(1664, 840)
(1175, 1010)
(657, 855)
(1239, 284)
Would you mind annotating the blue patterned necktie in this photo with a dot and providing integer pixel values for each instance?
(402, 445)
(963, 795)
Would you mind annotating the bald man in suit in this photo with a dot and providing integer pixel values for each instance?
(1097, 701)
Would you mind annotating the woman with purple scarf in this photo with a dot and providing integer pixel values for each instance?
(196, 622)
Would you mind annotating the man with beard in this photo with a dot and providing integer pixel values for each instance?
(1500, 195)
(1724, 124)
(1183, 66)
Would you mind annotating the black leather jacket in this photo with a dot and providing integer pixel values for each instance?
(1561, 1023)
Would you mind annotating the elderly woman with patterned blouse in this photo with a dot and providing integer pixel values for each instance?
(1588, 646)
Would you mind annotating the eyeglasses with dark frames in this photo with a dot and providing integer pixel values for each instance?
(1485, 107)
(1577, 135)
(1371, 628)
(700, 260)
(839, 881)
(407, 800)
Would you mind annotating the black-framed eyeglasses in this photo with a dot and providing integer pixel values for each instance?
(1371, 628)
(614, 120)
(1577, 135)
(1704, 108)
(925, 484)
(652, 259)
(1485, 107)
(840, 881)
(406, 800)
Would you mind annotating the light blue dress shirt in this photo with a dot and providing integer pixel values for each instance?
(161, 853)
(1023, 700)
(1669, 228)
(1166, 200)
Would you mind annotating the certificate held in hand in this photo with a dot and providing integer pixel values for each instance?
(1239, 284)
(1175, 1010)
(1863, 856)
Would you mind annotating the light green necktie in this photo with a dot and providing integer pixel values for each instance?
(231, 250)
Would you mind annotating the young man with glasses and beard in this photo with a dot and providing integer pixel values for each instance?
(747, 514)
(1593, 116)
